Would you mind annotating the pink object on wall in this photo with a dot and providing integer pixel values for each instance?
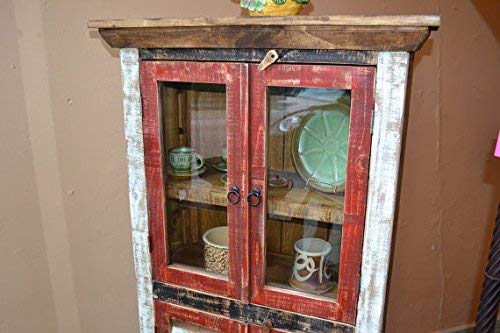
(497, 149)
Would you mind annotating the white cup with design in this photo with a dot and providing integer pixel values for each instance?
(310, 269)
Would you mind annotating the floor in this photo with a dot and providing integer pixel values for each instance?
(471, 330)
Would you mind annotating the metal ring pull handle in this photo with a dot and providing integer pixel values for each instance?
(254, 193)
(235, 192)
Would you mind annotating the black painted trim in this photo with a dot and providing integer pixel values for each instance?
(248, 313)
(345, 57)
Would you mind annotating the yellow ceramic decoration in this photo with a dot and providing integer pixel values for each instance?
(273, 7)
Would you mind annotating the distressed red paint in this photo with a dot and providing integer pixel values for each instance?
(234, 77)
(246, 128)
(360, 80)
(166, 312)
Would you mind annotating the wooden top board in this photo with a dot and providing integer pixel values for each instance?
(407, 21)
(361, 33)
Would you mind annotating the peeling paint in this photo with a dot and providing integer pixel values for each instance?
(392, 73)
(137, 186)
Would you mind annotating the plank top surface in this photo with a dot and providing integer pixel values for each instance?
(339, 20)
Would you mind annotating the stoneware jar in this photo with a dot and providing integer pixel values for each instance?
(310, 270)
(216, 250)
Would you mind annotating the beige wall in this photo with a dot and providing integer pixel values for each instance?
(64, 231)
(25, 286)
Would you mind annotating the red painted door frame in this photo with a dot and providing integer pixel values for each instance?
(360, 80)
(166, 312)
(246, 126)
(235, 77)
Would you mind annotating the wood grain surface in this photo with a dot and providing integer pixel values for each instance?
(395, 20)
(244, 312)
(168, 313)
(137, 186)
(314, 56)
(327, 37)
(298, 202)
(391, 83)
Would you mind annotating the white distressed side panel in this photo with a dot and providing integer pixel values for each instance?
(390, 93)
(137, 186)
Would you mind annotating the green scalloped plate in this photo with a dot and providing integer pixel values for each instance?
(319, 148)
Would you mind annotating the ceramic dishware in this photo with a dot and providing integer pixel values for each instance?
(184, 159)
(280, 182)
(223, 179)
(220, 166)
(186, 174)
(319, 148)
(223, 153)
(216, 250)
(310, 269)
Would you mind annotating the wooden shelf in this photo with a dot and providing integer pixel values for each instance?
(306, 204)
(298, 202)
(190, 255)
(278, 271)
(278, 268)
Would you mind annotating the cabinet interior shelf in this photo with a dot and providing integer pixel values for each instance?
(279, 267)
(282, 203)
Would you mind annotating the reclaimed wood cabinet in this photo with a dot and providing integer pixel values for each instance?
(263, 165)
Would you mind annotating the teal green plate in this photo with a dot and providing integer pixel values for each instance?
(320, 145)
(220, 166)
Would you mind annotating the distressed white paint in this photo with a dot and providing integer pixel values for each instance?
(391, 83)
(137, 186)
(392, 75)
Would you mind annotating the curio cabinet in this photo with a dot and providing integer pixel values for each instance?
(263, 165)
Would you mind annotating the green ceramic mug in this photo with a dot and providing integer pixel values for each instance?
(184, 159)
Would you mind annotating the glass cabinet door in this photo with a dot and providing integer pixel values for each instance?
(191, 132)
(195, 149)
(308, 186)
(306, 170)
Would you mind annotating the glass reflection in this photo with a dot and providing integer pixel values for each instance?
(306, 171)
(194, 139)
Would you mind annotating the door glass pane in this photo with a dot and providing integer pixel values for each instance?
(306, 169)
(194, 140)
